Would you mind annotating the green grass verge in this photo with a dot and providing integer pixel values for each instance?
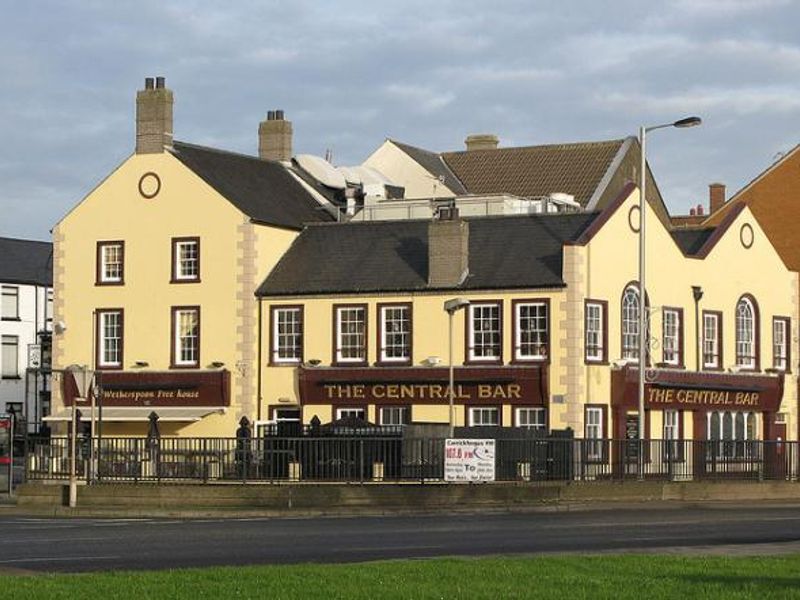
(573, 577)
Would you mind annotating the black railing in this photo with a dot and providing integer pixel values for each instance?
(358, 459)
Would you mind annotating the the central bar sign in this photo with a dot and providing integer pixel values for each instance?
(412, 385)
(690, 397)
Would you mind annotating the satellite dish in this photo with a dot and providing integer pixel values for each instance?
(321, 170)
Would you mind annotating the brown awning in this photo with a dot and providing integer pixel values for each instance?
(141, 414)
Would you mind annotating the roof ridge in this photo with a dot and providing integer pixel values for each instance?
(467, 218)
(27, 241)
(556, 145)
(221, 151)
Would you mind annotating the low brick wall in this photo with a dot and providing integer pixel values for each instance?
(316, 499)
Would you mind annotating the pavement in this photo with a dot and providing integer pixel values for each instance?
(35, 544)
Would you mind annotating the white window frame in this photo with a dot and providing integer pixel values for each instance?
(537, 423)
(397, 415)
(180, 262)
(351, 411)
(711, 343)
(179, 339)
(780, 344)
(631, 305)
(671, 425)
(10, 364)
(595, 434)
(104, 340)
(293, 352)
(475, 314)
(671, 328)
(404, 333)
(340, 335)
(746, 330)
(595, 351)
(535, 331)
(483, 411)
(105, 247)
(10, 300)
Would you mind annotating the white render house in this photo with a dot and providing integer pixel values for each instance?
(26, 318)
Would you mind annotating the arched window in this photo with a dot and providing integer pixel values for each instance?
(746, 333)
(630, 323)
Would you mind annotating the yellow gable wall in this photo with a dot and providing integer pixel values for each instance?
(730, 270)
(235, 254)
(430, 338)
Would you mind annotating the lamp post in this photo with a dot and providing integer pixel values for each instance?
(83, 380)
(643, 131)
(452, 306)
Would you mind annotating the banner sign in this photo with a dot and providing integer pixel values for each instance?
(158, 388)
(426, 385)
(469, 460)
(6, 440)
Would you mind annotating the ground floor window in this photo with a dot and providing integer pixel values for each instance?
(595, 432)
(731, 432)
(351, 413)
(531, 418)
(395, 415)
(673, 434)
(484, 416)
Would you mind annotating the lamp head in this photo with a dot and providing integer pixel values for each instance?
(455, 304)
(688, 122)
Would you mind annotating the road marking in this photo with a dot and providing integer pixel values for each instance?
(56, 559)
(48, 540)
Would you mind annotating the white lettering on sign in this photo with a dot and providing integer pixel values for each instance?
(469, 460)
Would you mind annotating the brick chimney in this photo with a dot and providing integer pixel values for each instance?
(481, 141)
(153, 117)
(716, 196)
(275, 137)
(448, 248)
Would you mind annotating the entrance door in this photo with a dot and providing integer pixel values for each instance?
(778, 455)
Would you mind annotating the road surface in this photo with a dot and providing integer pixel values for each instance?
(38, 544)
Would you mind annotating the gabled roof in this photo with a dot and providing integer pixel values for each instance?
(26, 262)
(261, 189)
(531, 171)
(434, 164)
(392, 256)
(742, 195)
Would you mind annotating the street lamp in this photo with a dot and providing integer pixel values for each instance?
(452, 306)
(643, 131)
(84, 379)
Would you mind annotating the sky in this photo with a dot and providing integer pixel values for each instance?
(351, 74)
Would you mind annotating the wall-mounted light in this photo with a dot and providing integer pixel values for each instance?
(60, 327)
(217, 364)
(432, 361)
(315, 362)
(141, 364)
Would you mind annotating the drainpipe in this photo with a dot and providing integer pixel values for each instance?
(697, 294)
(258, 376)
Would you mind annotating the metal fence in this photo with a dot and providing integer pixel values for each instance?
(359, 459)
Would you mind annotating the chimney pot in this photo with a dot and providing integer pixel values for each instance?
(148, 83)
(699, 210)
(481, 141)
(279, 115)
(692, 212)
(160, 83)
(716, 197)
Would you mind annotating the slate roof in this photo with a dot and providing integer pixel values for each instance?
(26, 262)
(392, 256)
(261, 189)
(528, 171)
(434, 164)
(690, 240)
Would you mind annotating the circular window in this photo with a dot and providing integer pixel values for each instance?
(746, 235)
(149, 185)
(634, 218)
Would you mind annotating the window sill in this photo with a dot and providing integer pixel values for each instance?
(108, 283)
(11, 319)
(174, 280)
(394, 363)
(109, 368)
(592, 362)
(185, 367)
(11, 378)
(472, 362)
(348, 363)
(285, 363)
(545, 360)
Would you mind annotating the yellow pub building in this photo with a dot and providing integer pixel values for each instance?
(208, 286)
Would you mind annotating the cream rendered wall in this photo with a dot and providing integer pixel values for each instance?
(185, 206)
(729, 271)
(403, 170)
(430, 338)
